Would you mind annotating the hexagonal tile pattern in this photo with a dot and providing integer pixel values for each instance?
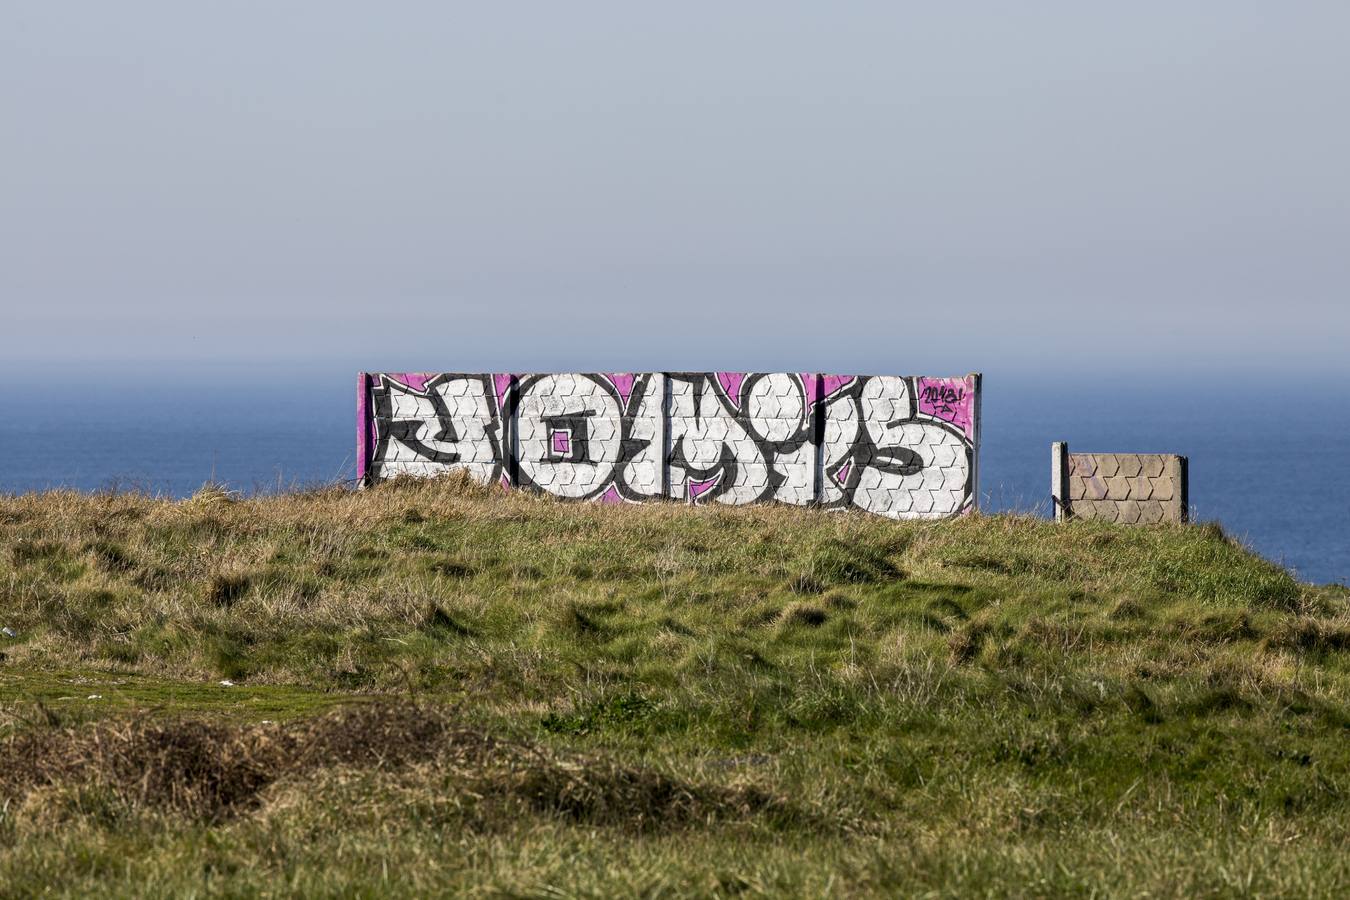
(726, 437)
(1139, 489)
(1094, 488)
(1082, 464)
(1118, 487)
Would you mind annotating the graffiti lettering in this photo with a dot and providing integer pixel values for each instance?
(943, 398)
(899, 447)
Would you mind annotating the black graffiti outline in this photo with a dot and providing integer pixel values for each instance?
(577, 428)
(629, 445)
(388, 427)
(727, 463)
(862, 454)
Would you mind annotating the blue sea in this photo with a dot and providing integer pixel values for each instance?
(1270, 462)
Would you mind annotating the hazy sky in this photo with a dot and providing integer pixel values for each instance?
(837, 186)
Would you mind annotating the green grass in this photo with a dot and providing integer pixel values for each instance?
(992, 706)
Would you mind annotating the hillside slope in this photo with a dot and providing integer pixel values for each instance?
(569, 699)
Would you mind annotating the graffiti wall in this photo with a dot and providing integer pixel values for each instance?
(904, 447)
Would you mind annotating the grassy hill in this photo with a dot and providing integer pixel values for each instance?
(437, 688)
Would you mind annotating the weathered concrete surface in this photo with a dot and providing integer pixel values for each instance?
(1130, 488)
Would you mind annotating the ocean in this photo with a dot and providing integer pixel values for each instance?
(1270, 462)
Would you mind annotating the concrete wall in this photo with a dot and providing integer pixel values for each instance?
(1130, 488)
(904, 447)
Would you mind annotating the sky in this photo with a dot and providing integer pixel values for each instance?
(1134, 189)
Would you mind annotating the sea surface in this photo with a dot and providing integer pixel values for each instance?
(1270, 462)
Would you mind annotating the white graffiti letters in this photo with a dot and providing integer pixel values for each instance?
(880, 443)
(451, 422)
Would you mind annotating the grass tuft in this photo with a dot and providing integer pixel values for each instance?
(805, 614)
(224, 589)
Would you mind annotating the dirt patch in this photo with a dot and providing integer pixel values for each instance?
(214, 771)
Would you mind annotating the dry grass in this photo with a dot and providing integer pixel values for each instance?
(212, 771)
(572, 699)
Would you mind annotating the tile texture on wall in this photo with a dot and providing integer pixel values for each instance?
(902, 447)
(1130, 488)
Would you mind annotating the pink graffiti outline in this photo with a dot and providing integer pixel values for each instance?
(731, 383)
(623, 383)
(699, 488)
